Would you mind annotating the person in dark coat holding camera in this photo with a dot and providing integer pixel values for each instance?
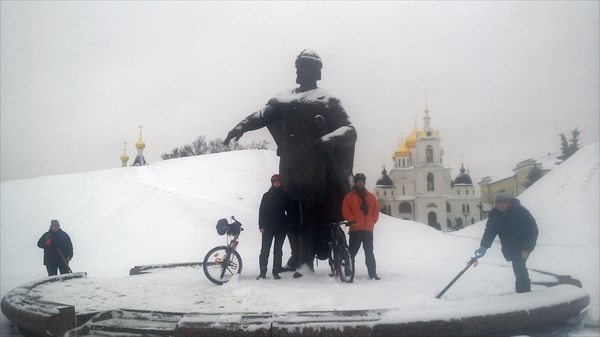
(518, 234)
(273, 219)
(58, 249)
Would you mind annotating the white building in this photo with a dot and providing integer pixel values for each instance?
(420, 188)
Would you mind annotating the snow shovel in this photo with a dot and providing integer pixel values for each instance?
(472, 262)
(64, 260)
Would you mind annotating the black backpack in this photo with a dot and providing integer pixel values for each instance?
(222, 226)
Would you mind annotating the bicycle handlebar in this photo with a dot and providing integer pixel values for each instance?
(344, 222)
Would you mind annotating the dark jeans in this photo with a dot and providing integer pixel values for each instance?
(522, 283)
(53, 268)
(366, 238)
(267, 239)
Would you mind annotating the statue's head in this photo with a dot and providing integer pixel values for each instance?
(308, 67)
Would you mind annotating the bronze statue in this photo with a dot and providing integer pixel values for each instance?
(315, 142)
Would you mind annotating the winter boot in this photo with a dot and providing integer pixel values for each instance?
(287, 268)
(304, 269)
(276, 276)
(263, 274)
(375, 277)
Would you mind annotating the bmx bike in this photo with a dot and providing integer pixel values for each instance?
(223, 262)
(341, 261)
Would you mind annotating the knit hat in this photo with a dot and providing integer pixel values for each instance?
(502, 196)
(360, 176)
(54, 223)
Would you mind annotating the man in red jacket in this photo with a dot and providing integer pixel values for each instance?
(360, 206)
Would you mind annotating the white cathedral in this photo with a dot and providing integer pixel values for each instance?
(420, 188)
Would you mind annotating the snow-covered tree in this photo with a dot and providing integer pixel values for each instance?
(568, 148)
(534, 175)
(200, 147)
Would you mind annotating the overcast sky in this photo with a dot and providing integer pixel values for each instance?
(504, 79)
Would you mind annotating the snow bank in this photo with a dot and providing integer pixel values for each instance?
(166, 213)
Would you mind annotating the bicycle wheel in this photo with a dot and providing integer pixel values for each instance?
(346, 264)
(221, 263)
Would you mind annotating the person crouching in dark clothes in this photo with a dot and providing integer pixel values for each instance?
(273, 218)
(58, 249)
(518, 234)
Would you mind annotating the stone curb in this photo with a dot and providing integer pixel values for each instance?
(40, 318)
(37, 317)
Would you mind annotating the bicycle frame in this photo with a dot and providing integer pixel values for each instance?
(231, 245)
(338, 252)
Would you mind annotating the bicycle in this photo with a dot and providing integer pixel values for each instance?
(341, 261)
(223, 262)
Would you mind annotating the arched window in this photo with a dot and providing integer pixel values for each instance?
(430, 182)
(463, 208)
(389, 209)
(403, 191)
(385, 193)
(429, 153)
(467, 192)
(405, 207)
(448, 208)
(432, 220)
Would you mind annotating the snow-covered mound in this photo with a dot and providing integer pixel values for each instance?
(166, 212)
(118, 218)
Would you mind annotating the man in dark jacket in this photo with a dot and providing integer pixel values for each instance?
(273, 219)
(315, 142)
(518, 234)
(58, 249)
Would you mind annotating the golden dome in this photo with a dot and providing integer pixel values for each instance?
(402, 150)
(140, 145)
(124, 156)
(411, 140)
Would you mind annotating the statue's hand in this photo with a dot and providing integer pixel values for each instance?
(234, 133)
(326, 144)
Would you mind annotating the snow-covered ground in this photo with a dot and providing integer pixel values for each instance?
(166, 212)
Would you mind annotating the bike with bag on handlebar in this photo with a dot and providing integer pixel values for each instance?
(223, 262)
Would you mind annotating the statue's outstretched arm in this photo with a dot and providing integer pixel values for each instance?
(254, 121)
